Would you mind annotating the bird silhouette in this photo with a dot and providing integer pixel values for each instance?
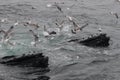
(36, 38)
(58, 7)
(7, 35)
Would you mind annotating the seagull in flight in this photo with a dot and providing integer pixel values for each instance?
(115, 14)
(7, 35)
(58, 7)
(60, 25)
(55, 5)
(36, 38)
(77, 27)
(30, 23)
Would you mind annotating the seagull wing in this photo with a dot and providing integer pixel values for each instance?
(2, 31)
(35, 35)
(10, 30)
(83, 26)
(58, 7)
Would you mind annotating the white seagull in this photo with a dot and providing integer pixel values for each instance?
(7, 35)
(45, 32)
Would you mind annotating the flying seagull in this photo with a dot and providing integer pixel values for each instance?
(60, 25)
(7, 35)
(115, 14)
(30, 23)
(58, 7)
(36, 38)
(55, 5)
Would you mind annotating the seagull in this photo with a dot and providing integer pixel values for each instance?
(85, 25)
(45, 32)
(73, 31)
(31, 24)
(16, 23)
(78, 27)
(60, 25)
(7, 35)
(58, 7)
(4, 20)
(69, 18)
(55, 5)
(36, 38)
(100, 30)
(68, 8)
(115, 14)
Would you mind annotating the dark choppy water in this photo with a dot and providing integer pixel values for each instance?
(68, 61)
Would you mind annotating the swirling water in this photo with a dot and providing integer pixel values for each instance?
(68, 61)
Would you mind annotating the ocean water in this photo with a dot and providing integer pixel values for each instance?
(67, 61)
